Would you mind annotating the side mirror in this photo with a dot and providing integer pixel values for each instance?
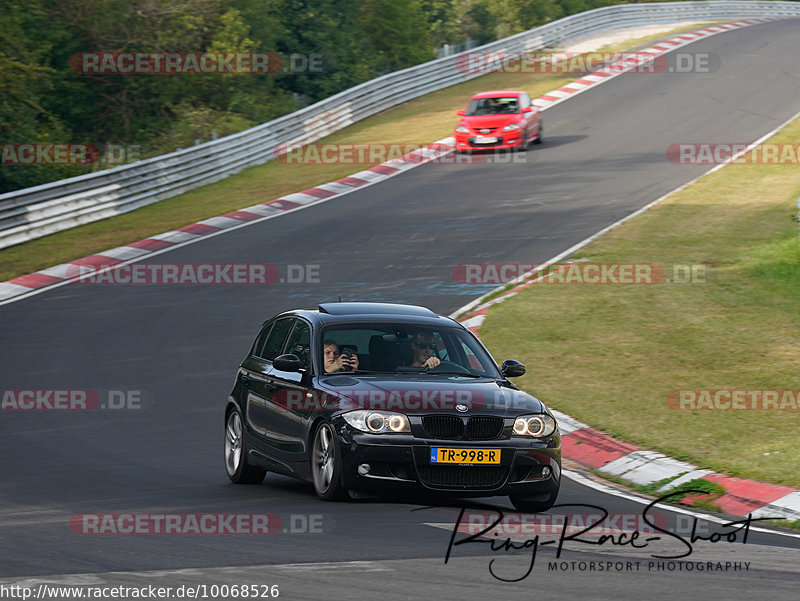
(527, 109)
(287, 363)
(461, 113)
(512, 369)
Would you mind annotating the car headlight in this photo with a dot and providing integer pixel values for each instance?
(377, 422)
(462, 130)
(511, 127)
(537, 426)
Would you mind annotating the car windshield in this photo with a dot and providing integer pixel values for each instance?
(493, 106)
(405, 348)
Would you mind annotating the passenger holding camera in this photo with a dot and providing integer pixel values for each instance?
(336, 361)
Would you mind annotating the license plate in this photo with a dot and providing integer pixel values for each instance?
(485, 140)
(470, 456)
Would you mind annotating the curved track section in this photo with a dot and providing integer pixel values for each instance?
(398, 241)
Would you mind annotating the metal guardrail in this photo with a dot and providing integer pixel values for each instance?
(41, 210)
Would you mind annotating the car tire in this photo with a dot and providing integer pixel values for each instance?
(236, 465)
(326, 465)
(527, 505)
(540, 137)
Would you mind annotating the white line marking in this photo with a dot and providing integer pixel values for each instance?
(370, 176)
(10, 291)
(299, 197)
(219, 221)
(262, 210)
(580, 479)
(58, 271)
(576, 247)
(176, 237)
(645, 467)
(335, 187)
(124, 252)
(614, 73)
(567, 424)
(193, 238)
(101, 578)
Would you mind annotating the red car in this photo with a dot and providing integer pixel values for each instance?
(500, 119)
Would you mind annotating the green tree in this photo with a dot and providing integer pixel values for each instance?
(443, 23)
(26, 81)
(397, 33)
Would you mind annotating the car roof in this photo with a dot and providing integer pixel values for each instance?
(374, 308)
(499, 93)
(353, 312)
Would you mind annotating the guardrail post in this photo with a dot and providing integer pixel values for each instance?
(798, 217)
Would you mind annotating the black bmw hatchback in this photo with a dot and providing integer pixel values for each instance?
(377, 397)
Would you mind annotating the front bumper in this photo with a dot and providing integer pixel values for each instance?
(401, 462)
(505, 140)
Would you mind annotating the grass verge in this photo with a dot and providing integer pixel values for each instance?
(709, 492)
(612, 355)
(700, 493)
(419, 121)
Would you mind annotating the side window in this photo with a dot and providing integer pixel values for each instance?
(526, 101)
(258, 345)
(300, 342)
(276, 339)
(441, 349)
(464, 356)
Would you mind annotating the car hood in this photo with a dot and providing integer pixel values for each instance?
(489, 121)
(427, 394)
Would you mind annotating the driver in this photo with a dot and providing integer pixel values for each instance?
(423, 345)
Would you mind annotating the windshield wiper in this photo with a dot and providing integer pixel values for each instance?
(453, 373)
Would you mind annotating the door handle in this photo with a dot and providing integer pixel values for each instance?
(246, 378)
(271, 386)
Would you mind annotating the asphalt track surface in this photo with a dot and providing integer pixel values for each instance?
(603, 158)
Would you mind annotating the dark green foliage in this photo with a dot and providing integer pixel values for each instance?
(44, 101)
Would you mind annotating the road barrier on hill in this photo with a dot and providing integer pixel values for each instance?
(41, 210)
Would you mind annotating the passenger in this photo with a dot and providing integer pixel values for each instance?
(336, 362)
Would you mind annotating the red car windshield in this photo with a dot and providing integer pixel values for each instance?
(493, 106)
